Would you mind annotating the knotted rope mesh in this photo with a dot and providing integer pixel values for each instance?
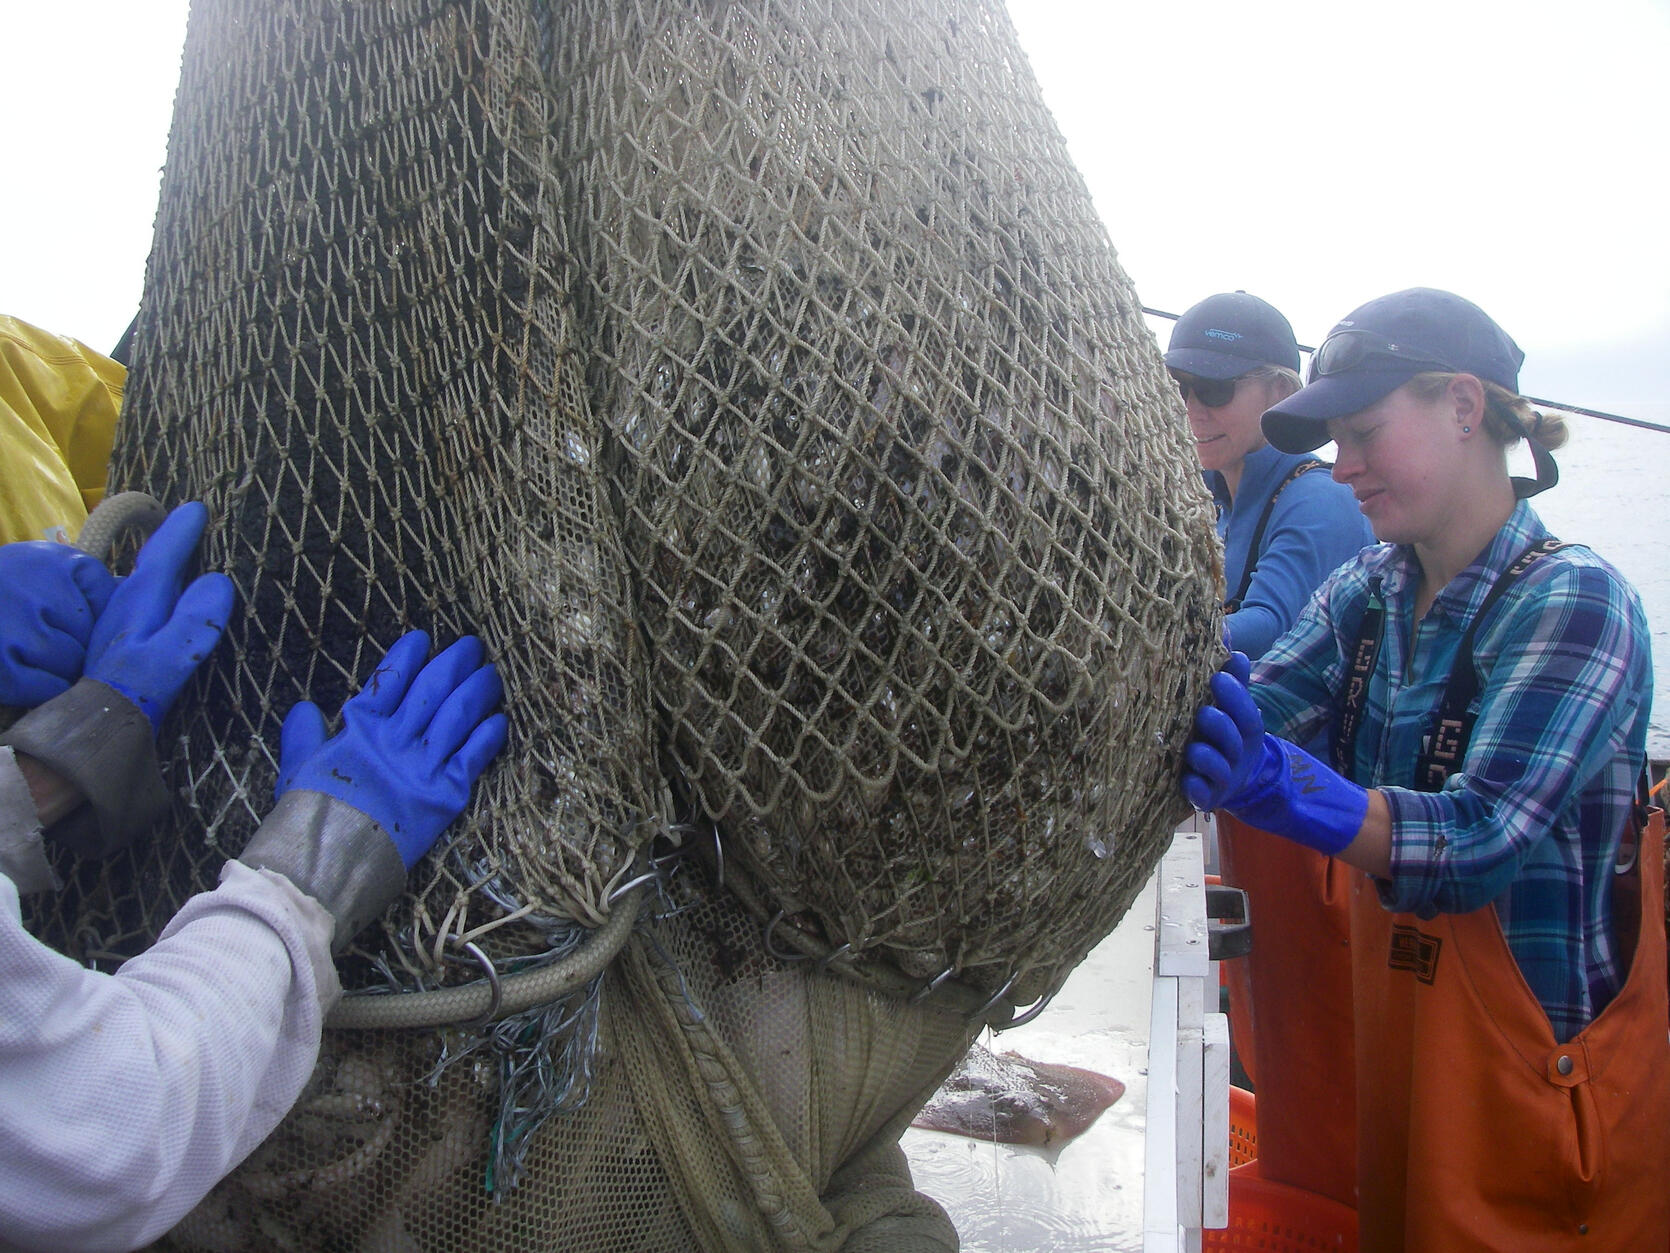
(918, 553)
(356, 347)
(757, 380)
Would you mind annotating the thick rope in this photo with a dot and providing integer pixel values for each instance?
(473, 1001)
(113, 517)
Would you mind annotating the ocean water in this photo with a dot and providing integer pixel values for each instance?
(1614, 496)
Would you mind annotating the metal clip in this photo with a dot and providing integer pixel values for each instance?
(1020, 1020)
(834, 954)
(772, 948)
(996, 996)
(487, 968)
(649, 876)
(930, 987)
(670, 858)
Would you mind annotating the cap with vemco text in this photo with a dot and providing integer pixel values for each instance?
(1379, 347)
(1226, 335)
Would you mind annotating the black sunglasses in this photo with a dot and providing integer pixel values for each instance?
(1213, 393)
(1346, 350)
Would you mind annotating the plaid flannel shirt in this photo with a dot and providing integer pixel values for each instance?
(1534, 818)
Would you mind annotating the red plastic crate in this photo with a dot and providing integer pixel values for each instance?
(1276, 1218)
(1243, 1127)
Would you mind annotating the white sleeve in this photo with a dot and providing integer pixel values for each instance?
(22, 852)
(124, 1098)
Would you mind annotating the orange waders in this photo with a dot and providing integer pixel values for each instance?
(1478, 1130)
(1290, 1007)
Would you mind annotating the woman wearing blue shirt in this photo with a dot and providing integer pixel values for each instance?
(1486, 691)
(1285, 524)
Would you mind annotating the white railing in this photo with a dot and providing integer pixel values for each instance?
(1186, 1171)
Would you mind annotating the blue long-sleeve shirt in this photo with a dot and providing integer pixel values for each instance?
(1534, 818)
(1315, 526)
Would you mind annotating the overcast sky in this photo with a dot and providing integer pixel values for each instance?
(1315, 152)
(1320, 153)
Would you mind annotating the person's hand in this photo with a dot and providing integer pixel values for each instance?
(156, 630)
(413, 741)
(1232, 763)
(1227, 747)
(51, 595)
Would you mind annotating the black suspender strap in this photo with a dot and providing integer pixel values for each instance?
(1233, 604)
(1370, 631)
(1446, 743)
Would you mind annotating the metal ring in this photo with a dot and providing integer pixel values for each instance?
(996, 996)
(772, 948)
(927, 989)
(833, 954)
(1020, 1020)
(492, 974)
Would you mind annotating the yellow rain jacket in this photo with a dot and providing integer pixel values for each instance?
(58, 405)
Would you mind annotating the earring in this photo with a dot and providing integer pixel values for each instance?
(1466, 430)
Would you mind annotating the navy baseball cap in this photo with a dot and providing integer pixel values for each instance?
(1226, 335)
(1379, 347)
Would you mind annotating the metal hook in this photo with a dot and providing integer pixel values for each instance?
(1020, 1020)
(927, 989)
(772, 948)
(996, 996)
(718, 858)
(492, 974)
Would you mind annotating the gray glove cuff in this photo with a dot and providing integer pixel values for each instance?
(101, 742)
(335, 853)
(22, 859)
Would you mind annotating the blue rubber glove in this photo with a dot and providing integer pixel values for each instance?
(50, 597)
(156, 630)
(412, 742)
(1232, 763)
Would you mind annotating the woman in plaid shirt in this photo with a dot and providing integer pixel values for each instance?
(1486, 690)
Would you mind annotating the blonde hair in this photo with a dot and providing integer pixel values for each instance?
(1282, 381)
(1508, 416)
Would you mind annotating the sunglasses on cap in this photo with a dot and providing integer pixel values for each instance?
(1213, 393)
(1344, 351)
